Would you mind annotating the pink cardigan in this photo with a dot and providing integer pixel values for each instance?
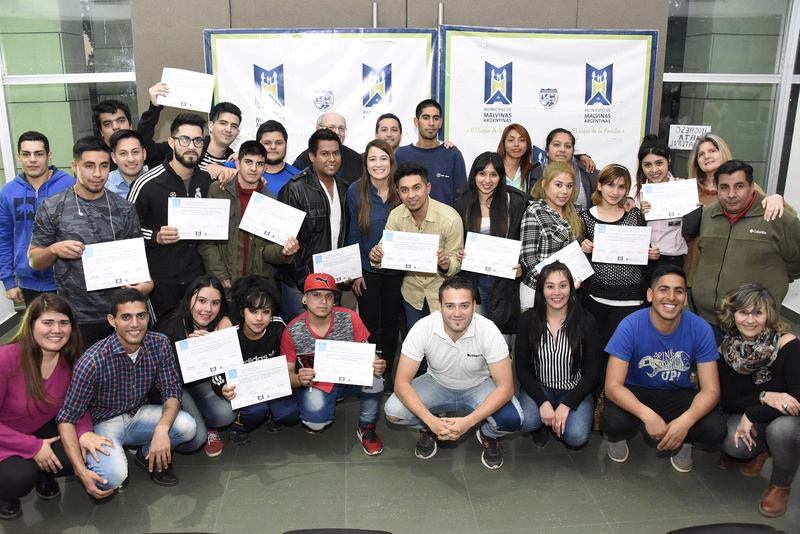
(19, 418)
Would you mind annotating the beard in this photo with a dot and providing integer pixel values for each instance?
(186, 161)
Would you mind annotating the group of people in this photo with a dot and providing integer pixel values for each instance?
(91, 374)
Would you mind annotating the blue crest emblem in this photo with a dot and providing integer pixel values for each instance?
(376, 84)
(323, 100)
(497, 84)
(599, 83)
(548, 98)
(269, 85)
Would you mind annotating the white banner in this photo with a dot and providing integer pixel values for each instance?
(294, 76)
(596, 84)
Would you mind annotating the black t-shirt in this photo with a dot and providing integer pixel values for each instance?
(267, 346)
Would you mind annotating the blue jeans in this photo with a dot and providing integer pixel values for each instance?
(579, 422)
(316, 406)
(413, 315)
(292, 305)
(137, 430)
(438, 398)
(284, 410)
(208, 409)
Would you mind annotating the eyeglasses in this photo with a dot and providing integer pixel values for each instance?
(184, 141)
(335, 128)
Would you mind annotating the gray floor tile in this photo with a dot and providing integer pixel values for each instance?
(666, 525)
(789, 522)
(409, 497)
(548, 492)
(68, 513)
(600, 528)
(645, 487)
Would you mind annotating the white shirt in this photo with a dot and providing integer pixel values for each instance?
(336, 213)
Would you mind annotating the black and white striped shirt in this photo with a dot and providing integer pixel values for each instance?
(554, 361)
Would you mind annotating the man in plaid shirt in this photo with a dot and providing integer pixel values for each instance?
(112, 379)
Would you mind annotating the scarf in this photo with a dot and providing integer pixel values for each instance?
(752, 357)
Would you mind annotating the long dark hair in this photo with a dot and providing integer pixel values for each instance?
(364, 196)
(30, 353)
(651, 144)
(498, 202)
(575, 324)
(184, 309)
(526, 161)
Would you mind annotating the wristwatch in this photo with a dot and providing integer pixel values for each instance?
(761, 397)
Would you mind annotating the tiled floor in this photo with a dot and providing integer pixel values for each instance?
(292, 480)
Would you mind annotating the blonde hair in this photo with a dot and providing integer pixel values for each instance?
(745, 297)
(552, 170)
(724, 150)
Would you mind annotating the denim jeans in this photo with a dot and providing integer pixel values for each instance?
(208, 409)
(579, 422)
(136, 430)
(781, 437)
(438, 398)
(316, 406)
(284, 410)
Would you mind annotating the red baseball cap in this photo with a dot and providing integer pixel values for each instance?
(317, 281)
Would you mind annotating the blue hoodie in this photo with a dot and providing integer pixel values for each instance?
(18, 205)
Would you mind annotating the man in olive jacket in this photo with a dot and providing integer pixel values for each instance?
(244, 253)
(737, 246)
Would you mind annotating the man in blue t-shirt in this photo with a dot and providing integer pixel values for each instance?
(445, 164)
(649, 378)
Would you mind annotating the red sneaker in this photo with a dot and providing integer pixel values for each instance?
(370, 440)
(214, 445)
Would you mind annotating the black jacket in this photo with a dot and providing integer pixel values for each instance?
(304, 192)
(505, 292)
(352, 164)
(179, 262)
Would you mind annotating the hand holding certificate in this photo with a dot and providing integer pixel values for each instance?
(573, 257)
(621, 244)
(199, 218)
(115, 264)
(259, 381)
(271, 219)
(407, 251)
(343, 362)
(187, 89)
(670, 200)
(209, 355)
(495, 256)
(343, 263)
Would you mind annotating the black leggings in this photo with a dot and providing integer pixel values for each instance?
(20, 475)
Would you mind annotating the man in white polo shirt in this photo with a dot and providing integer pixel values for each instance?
(469, 371)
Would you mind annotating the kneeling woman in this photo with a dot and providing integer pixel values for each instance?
(760, 386)
(557, 361)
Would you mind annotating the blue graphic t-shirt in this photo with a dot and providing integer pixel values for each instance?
(662, 361)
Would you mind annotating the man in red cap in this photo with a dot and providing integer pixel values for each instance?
(322, 320)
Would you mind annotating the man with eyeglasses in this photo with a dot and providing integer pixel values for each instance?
(352, 164)
(223, 129)
(173, 263)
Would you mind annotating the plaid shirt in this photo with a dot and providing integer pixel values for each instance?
(109, 383)
(543, 234)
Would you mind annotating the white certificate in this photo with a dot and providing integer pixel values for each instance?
(342, 263)
(343, 362)
(670, 200)
(114, 264)
(573, 257)
(621, 244)
(209, 355)
(409, 251)
(487, 254)
(271, 219)
(199, 218)
(259, 381)
(187, 89)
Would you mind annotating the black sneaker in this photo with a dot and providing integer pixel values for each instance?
(47, 488)
(272, 426)
(426, 446)
(240, 438)
(492, 455)
(9, 509)
(165, 477)
(541, 437)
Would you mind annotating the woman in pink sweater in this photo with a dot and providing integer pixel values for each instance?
(35, 370)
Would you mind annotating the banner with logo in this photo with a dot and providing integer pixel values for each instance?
(293, 76)
(597, 84)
